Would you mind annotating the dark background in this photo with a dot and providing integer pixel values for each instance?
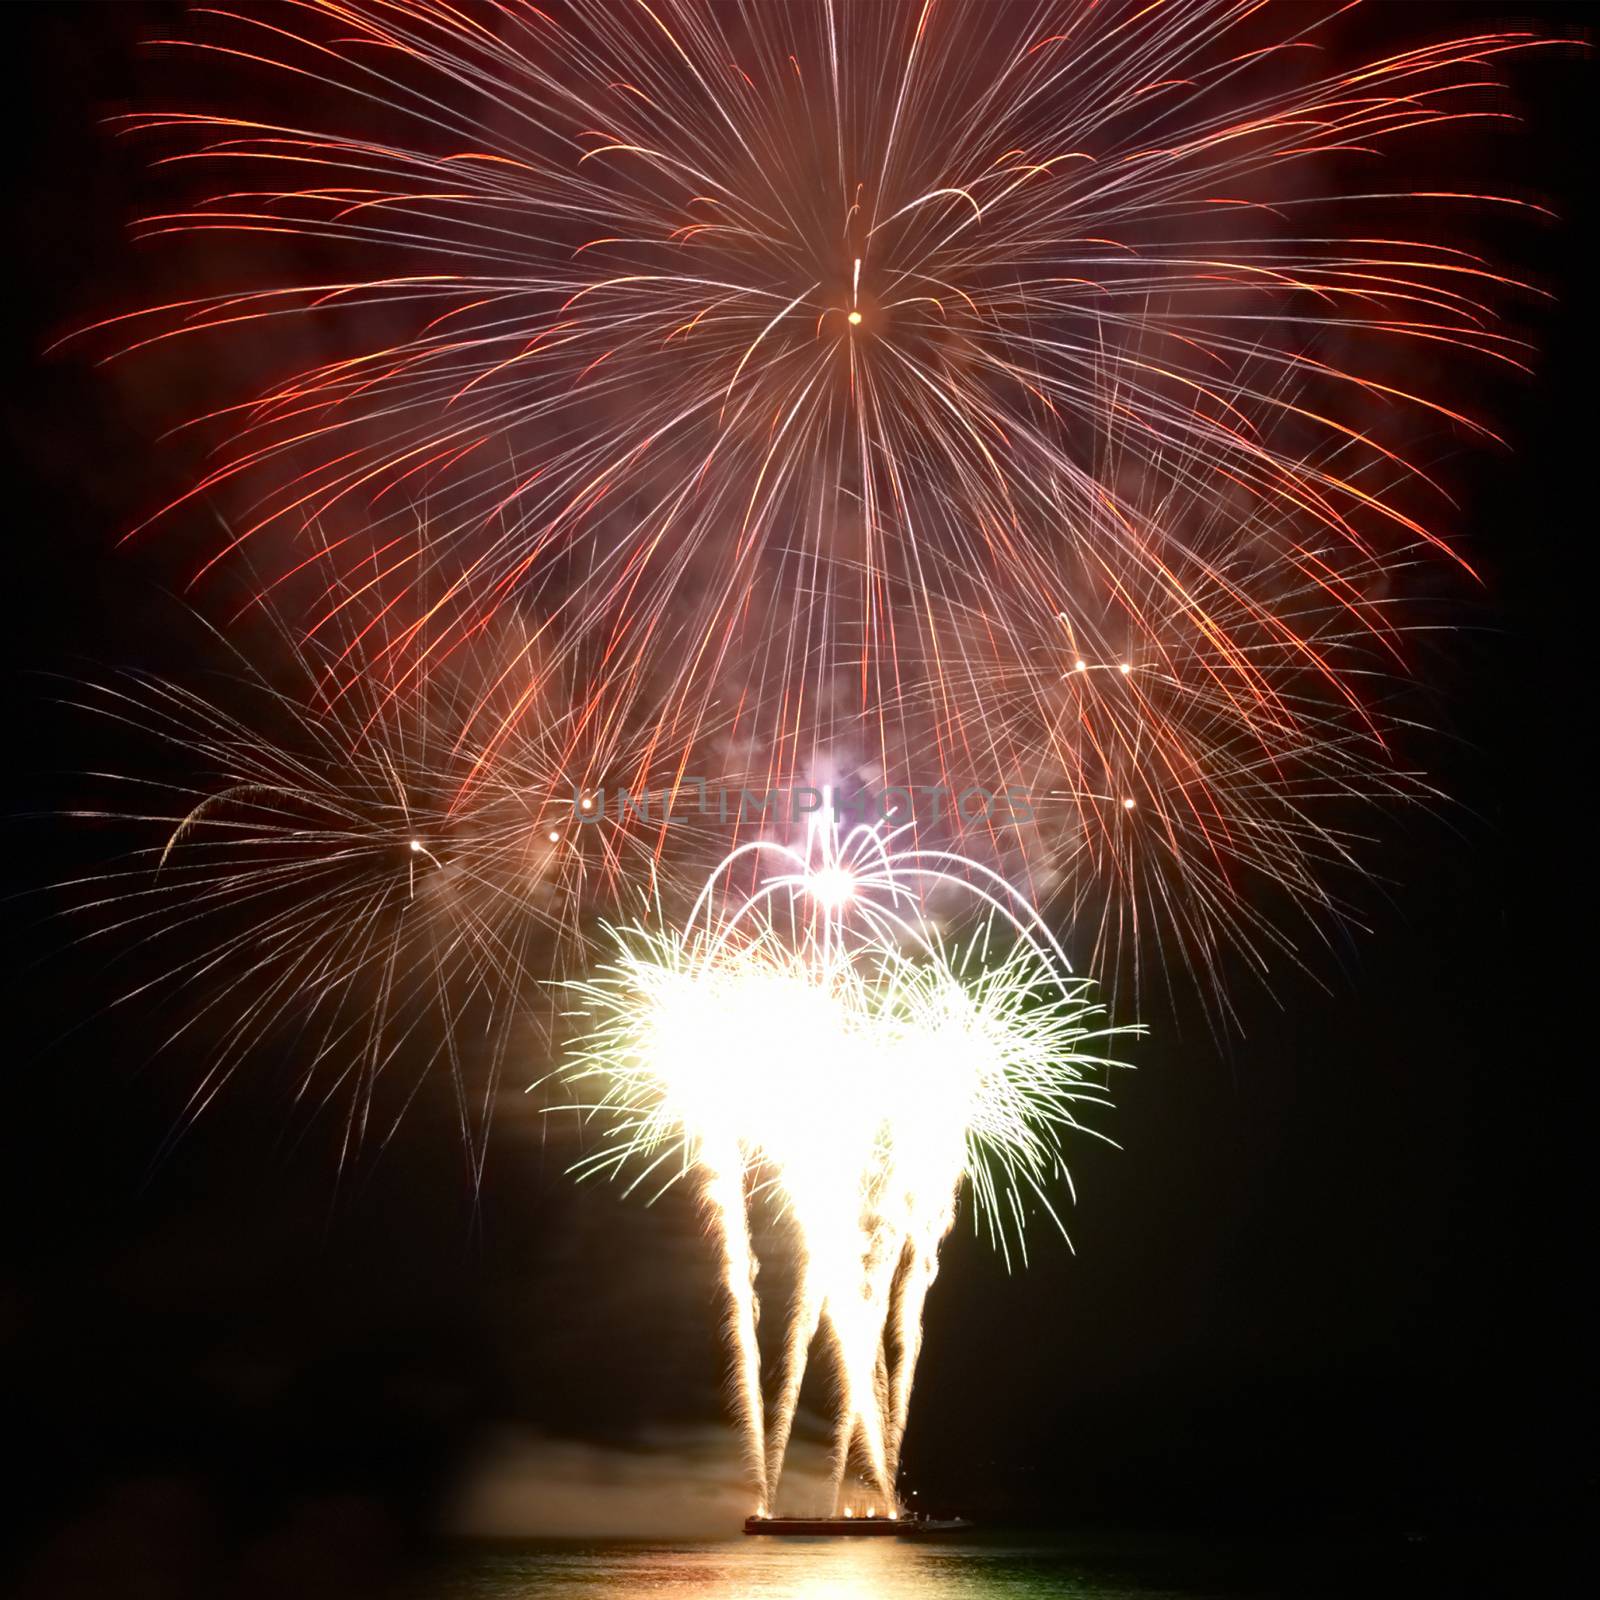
(1331, 1284)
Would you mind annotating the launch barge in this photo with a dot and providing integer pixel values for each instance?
(823, 1527)
(871, 1527)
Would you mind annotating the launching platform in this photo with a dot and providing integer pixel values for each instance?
(869, 1527)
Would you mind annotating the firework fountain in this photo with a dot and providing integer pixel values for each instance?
(810, 1037)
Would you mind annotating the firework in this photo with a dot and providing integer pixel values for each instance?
(1197, 744)
(320, 878)
(797, 361)
(814, 1039)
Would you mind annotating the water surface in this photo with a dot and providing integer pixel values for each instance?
(985, 1567)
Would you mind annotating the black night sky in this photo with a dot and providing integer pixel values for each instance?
(1331, 1287)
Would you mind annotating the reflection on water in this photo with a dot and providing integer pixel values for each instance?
(792, 1569)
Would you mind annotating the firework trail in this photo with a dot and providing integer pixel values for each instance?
(810, 1037)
